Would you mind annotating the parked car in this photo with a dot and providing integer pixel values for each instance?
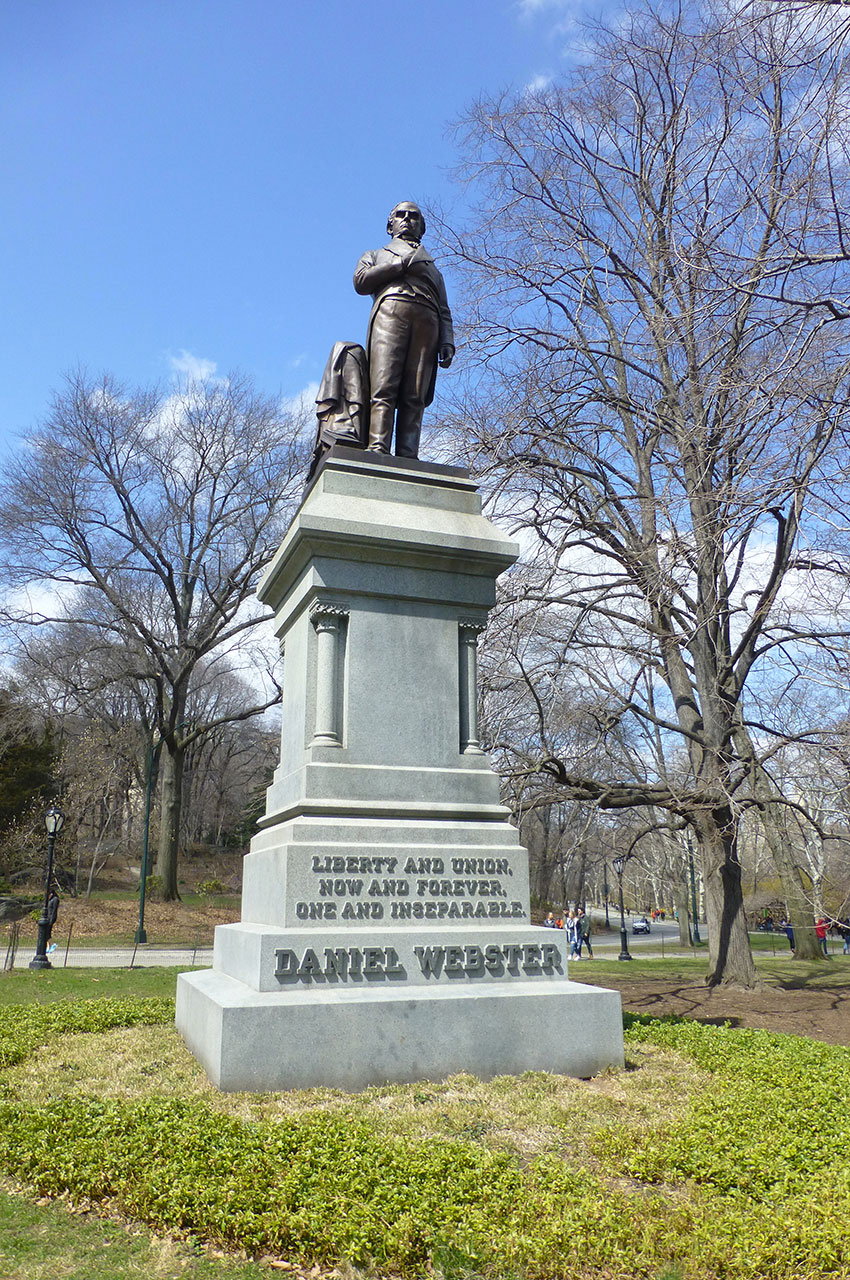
(640, 924)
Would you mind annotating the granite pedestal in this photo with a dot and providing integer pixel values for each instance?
(385, 931)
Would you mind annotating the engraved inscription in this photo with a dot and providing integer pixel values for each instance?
(367, 887)
(357, 964)
(543, 957)
(337, 964)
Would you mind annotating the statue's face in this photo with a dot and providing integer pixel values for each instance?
(405, 222)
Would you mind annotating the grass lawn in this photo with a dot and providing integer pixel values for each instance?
(32, 986)
(51, 1242)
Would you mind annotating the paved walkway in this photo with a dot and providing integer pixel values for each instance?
(119, 957)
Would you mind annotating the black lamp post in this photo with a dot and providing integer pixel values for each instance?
(605, 892)
(619, 865)
(54, 820)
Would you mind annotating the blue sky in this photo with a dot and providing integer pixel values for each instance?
(190, 181)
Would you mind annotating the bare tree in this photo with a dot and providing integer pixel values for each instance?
(104, 722)
(97, 783)
(816, 824)
(28, 777)
(146, 518)
(657, 289)
(228, 766)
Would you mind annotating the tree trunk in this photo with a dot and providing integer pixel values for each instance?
(773, 815)
(171, 779)
(582, 876)
(797, 904)
(95, 866)
(817, 897)
(730, 958)
(679, 893)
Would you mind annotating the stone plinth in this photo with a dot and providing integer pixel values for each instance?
(385, 932)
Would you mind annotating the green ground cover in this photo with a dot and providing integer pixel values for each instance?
(718, 1152)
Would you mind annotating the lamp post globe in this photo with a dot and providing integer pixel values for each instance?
(54, 820)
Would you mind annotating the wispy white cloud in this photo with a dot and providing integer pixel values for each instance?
(564, 20)
(192, 368)
(537, 84)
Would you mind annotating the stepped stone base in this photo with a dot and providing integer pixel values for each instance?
(351, 1039)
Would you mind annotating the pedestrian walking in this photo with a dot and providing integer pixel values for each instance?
(789, 933)
(574, 934)
(584, 927)
(844, 930)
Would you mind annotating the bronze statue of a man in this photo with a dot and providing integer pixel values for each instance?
(410, 331)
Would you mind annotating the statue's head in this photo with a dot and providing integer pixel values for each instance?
(406, 221)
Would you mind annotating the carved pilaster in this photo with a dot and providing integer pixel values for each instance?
(468, 633)
(328, 620)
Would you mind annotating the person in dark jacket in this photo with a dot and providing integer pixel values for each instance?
(52, 906)
(584, 929)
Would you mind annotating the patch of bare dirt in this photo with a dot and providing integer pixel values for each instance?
(117, 920)
(809, 1004)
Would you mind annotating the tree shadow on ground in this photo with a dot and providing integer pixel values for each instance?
(820, 979)
(799, 1003)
